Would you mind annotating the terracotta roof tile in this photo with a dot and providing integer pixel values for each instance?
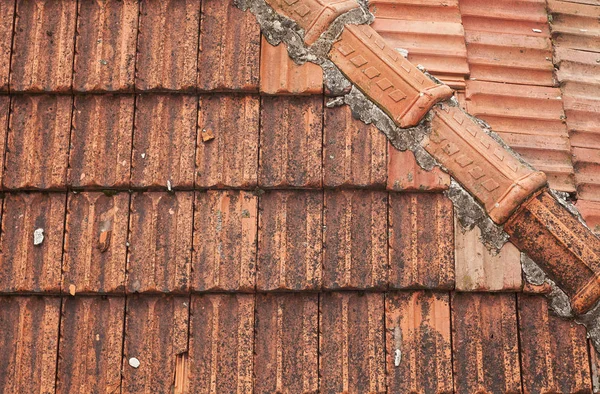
(100, 154)
(229, 48)
(290, 241)
(7, 19)
(167, 46)
(91, 342)
(164, 139)
(575, 25)
(95, 243)
(4, 116)
(160, 242)
(485, 343)
(230, 159)
(225, 241)
(156, 332)
(279, 74)
(354, 154)
(419, 352)
(221, 343)
(590, 210)
(421, 229)
(553, 350)
(351, 343)
(29, 344)
(25, 266)
(404, 174)
(587, 167)
(38, 142)
(287, 343)
(291, 131)
(43, 44)
(105, 45)
(355, 239)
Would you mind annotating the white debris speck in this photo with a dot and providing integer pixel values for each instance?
(38, 236)
(403, 52)
(169, 185)
(143, 155)
(536, 30)
(134, 362)
(397, 357)
(583, 30)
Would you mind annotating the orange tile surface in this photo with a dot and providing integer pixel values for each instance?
(7, 19)
(4, 116)
(405, 174)
(590, 210)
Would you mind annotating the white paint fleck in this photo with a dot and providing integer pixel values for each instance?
(403, 52)
(143, 155)
(38, 236)
(134, 362)
(397, 357)
(169, 186)
(536, 30)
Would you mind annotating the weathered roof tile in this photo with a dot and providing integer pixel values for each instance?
(575, 25)
(590, 210)
(405, 174)
(4, 116)
(7, 19)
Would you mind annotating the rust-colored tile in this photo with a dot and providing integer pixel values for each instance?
(587, 172)
(421, 253)
(4, 116)
(38, 142)
(575, 25)
(156, 333)
(225, 238)
(590, 210)
(553, 350)
(160, 242)
(100, 155)
(164, 139)
(279, 74)
(230, 159)
(354, 154)
(477, 269)
(290, 241)
(91, 342)
(291, 142)
(7, 19)
(352, 343)
(221, 343)
(355, 239)
(287, 343)
(105, 45)
(404, 174)
(43, 44)
(29, 344)
(229, 48)
(167, 45)
(419, 352)
(485, 343)
(25, 266)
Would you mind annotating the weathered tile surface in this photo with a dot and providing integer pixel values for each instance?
(421, 241)
(355, 239)
(590, 210)
(404, 174)
(24, 266)
(7, 19)
(164, 138)
(38, 142)
(291, 141)
(105, 45)
(91, 342)
(419, 352)
(354, 154)
(160, 242)
(4, 114)
(575, 25)
(286, 343)
(44, 39)
(225, 239)
(221, 343)
(167, 45)
(100, 154)
(290, 241)
(227, 141)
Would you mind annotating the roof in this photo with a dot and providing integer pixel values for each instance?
(178, 194)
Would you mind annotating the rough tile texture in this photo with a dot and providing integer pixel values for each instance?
(221, 343)
(351, 343)
(225, 238)
(354, 154)
(230, 157)
(100, 154)
(484, 331)
(167, 46)
(355, 239)
(105, 45)
(421, 241)
(4, 114)
(404, 174)
(7, 19)
(25, 266)
(290, 241)
(590, 210)
(228, 58)
(286, 343)
(38, 142)
(291, 132)
(419, 352)
(43, 44)
(95, 243)
(164, 138)
(91, 342)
